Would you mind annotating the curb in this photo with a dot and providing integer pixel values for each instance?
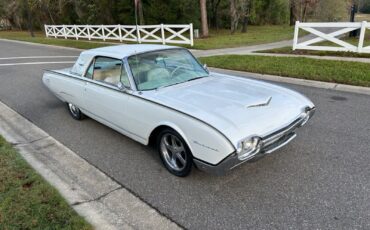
(102, 201)
(297, 81)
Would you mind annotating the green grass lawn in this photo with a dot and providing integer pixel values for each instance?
(40, 38)
(29, 202)
(217, 39)
(352, 73)
(362, 17)
(288, 50)
(255, 35)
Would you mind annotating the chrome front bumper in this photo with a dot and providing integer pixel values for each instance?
(270, 144)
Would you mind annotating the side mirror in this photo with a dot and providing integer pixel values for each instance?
(121, 86)
(205, 67)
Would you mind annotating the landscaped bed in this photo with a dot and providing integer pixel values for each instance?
(27, 201)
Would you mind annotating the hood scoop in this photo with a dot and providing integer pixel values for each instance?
(260, 104)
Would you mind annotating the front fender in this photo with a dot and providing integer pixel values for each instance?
(205, 143)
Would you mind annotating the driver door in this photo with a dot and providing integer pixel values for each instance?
(103, 98)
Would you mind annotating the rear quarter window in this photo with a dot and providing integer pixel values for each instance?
(81, 64)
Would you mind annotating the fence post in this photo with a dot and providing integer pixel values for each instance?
(362, 37)
(64, 32)
(55, 35)
(163, 36)
(296, 33)
(120, 32)
(138, 34)
(191, 34)
(88, 32)
(103, 32)
(75, 30)
(46, 30)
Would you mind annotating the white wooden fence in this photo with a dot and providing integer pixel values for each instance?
(176, 34)
(334, 37)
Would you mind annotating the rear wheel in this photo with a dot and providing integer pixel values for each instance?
(174, 152)
(75, 112)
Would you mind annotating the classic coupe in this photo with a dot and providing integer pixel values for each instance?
(162, 95)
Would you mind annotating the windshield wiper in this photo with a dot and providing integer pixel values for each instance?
(196, 78)
(164, 86)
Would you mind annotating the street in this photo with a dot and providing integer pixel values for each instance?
(319, 181)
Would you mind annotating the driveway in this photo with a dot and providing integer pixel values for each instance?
(319, 181)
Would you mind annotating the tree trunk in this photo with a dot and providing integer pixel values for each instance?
(214, 18)
(246, 6)
(292, 15)
(245, 24)
(141, 14)
(234, 16)
(203, 17)
(304, 11)
(29, 18)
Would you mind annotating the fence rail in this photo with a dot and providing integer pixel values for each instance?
(333, 36)
(176, 34)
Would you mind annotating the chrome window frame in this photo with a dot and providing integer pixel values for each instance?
(123, 65)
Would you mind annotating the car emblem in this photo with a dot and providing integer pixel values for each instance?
(260, 104)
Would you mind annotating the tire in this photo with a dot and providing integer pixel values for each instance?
(174, 152)
(75, 112)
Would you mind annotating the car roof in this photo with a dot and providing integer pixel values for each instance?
(122, 51)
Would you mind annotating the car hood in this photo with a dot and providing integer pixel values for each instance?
(237, 107)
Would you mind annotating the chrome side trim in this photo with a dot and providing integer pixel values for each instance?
(142, 98)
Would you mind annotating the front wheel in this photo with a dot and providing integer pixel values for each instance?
(175, 153)
(75, 112)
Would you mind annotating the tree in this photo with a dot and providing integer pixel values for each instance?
(364, 6)
(332, 10)
(214, 13)
(300, 10)
(292, 12)
(139, 12)
(245, 6)
(203, 17)
(234, 16)
(26, 5)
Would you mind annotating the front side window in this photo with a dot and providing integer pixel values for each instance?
(164, 68)
(108, 70)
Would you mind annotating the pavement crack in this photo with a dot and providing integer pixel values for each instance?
(97, 198)
(29, 142)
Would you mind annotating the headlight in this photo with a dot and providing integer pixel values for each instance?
(309, 112)
(248, 148)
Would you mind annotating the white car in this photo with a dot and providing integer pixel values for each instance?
(163, 95)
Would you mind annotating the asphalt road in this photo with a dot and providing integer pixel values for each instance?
(319, 181)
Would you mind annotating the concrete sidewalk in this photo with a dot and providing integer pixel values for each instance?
(102, 201)
(242, 49)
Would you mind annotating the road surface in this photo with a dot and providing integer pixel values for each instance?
(319, 181)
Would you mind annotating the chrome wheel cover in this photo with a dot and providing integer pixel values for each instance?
(173, 152)
(74, 110)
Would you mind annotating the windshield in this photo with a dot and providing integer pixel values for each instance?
(163, 68)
